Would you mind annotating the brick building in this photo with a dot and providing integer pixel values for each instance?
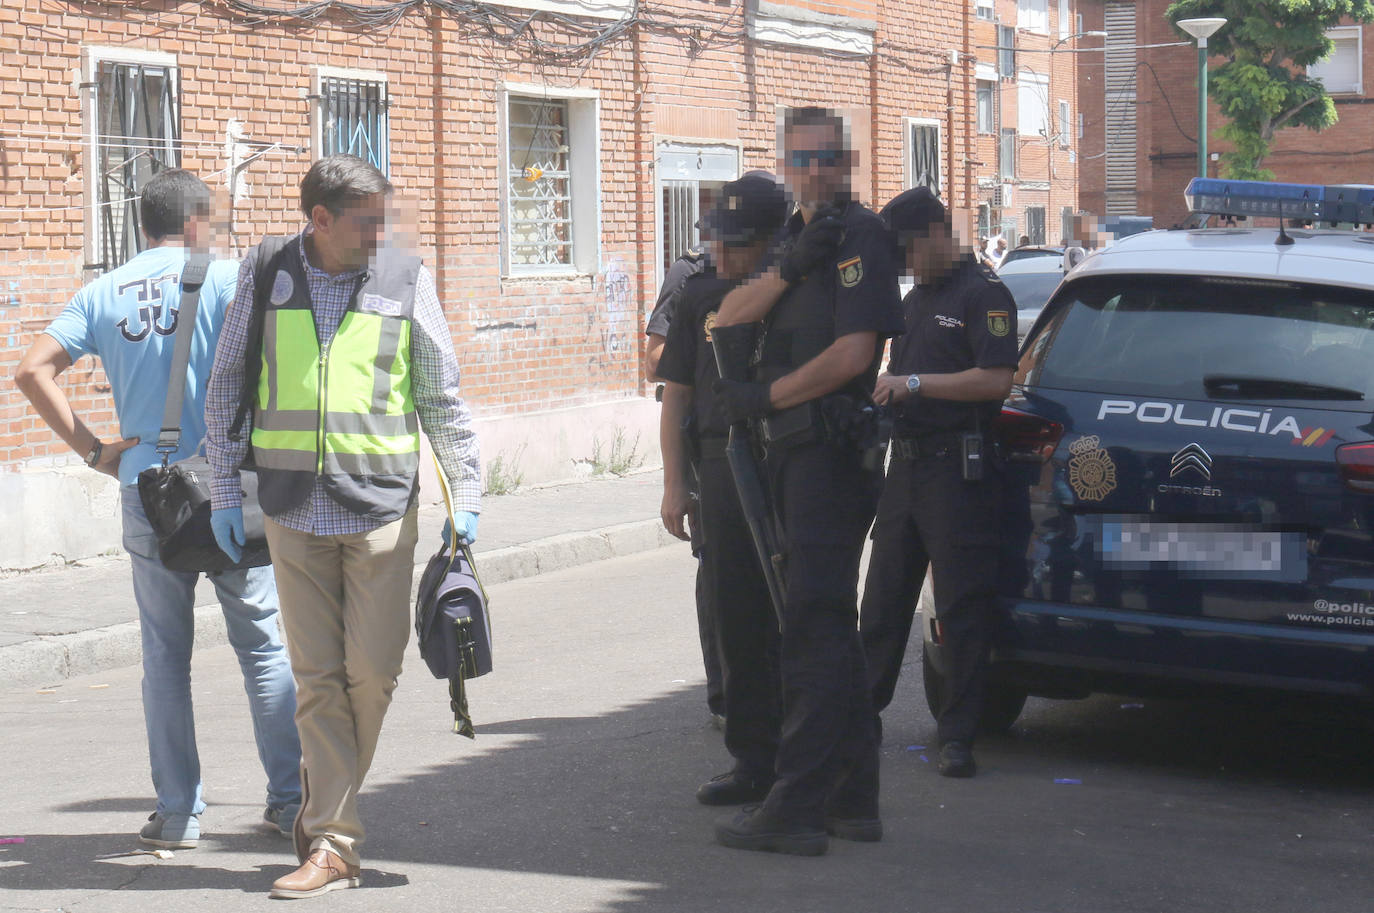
(1140, 108)
(1027, 116)
(552, 157)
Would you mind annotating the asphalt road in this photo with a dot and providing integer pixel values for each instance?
(577, 793)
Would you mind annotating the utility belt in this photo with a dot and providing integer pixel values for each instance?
(971, 447)
(839, 418)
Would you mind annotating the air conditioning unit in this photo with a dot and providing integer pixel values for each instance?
(1001, 196)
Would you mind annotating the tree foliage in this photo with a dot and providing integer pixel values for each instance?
(1263, 86)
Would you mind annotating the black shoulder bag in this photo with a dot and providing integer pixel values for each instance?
(176, 496)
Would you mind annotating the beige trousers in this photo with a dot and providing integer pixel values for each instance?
(345, 605)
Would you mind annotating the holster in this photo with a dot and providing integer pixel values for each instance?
(734, 347)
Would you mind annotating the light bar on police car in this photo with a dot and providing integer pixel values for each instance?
(1255, 198)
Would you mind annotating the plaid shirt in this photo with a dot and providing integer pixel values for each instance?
(434, 385)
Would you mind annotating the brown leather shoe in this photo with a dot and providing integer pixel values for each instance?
(323, 871)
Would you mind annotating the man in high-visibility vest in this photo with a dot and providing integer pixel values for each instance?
(356, 357)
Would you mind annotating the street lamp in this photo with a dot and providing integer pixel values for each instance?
(1201, 29)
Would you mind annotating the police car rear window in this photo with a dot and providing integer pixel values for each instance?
(1204, 338)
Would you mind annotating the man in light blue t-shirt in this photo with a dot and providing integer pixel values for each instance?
(128, 319)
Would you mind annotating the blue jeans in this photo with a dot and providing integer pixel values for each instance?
(249, 600)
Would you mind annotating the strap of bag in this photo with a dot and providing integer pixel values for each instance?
(454, 548)
(192, 278)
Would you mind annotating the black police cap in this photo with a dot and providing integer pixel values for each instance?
(747, 209)
(913, 210)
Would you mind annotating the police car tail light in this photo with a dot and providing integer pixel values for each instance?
(1356, 462)
(1028, 438)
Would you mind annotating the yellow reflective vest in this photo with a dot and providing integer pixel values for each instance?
(341, 413)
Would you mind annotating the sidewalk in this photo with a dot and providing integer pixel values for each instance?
(81, 618)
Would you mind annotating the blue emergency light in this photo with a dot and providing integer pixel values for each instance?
(1272, 199)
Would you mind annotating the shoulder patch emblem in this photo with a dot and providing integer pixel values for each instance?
(709, 324)
(851, 271)
(1092, 474)
(999, 322)
(283, 287)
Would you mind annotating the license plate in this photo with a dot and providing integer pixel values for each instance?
(1203, 549)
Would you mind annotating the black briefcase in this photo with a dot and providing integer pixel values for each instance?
(453, 626)
(176, 498)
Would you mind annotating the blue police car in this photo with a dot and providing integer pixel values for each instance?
(1191, 442)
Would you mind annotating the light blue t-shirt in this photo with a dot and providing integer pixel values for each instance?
(128, 319)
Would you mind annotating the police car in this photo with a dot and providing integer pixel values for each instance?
(1191, 443)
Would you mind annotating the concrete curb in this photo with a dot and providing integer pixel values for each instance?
(53, 658)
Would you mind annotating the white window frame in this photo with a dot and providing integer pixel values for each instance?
(92, 56)
(584, 179)
(990, 87)
(670, 145)
(985, 10)
(317, 79)
(909, 152)
(1065, 19)
(1065, 124)
(1344, 33)
(1036, 86)
(1033, 16)
(613, 10)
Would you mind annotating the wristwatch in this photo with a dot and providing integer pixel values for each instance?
(94, 456)
(913, 384)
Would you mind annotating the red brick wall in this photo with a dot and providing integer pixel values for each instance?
(525, 344)
(1167, 126)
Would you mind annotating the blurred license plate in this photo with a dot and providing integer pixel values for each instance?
(1203, 549)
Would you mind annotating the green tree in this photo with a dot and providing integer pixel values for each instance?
(1263, 86)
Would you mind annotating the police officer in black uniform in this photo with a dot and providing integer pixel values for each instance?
(943, 497)
(691, 263)
(827, 309)
(739, 230)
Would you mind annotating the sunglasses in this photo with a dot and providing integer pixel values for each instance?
(802, 158)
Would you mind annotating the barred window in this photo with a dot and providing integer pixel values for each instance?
(137, 133)
(354, 119)
(540, 213)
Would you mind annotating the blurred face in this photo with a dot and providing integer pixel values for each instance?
(932, 252)
(736, 263)
(816, 164)
(346, 240)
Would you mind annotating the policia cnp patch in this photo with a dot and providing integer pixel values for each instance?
(999, 322)
(851, 271)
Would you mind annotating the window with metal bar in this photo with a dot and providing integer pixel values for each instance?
(354, 119)
(137, 134)
(540, 187)
(1006, 154)
(1035, 224)
(1006, 51)
(925, 157)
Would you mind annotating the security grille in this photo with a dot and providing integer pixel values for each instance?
(355, 120)
(925, 157)
(1035, 224)
(540, 189)
(137, 134)
(681, 211)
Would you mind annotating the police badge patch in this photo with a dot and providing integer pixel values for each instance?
(999, 322)
(283, 287)
(851, 271)
(1092, 474)
(709, 324)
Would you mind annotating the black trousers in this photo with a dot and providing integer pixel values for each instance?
(828, 753)
(929, 515)
(744, 624)
(706, 628)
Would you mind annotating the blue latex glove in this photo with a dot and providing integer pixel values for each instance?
(466, 524)
(227, 525)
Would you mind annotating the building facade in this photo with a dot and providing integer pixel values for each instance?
(551, 159)
(1140, 106)
(1028, 122)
